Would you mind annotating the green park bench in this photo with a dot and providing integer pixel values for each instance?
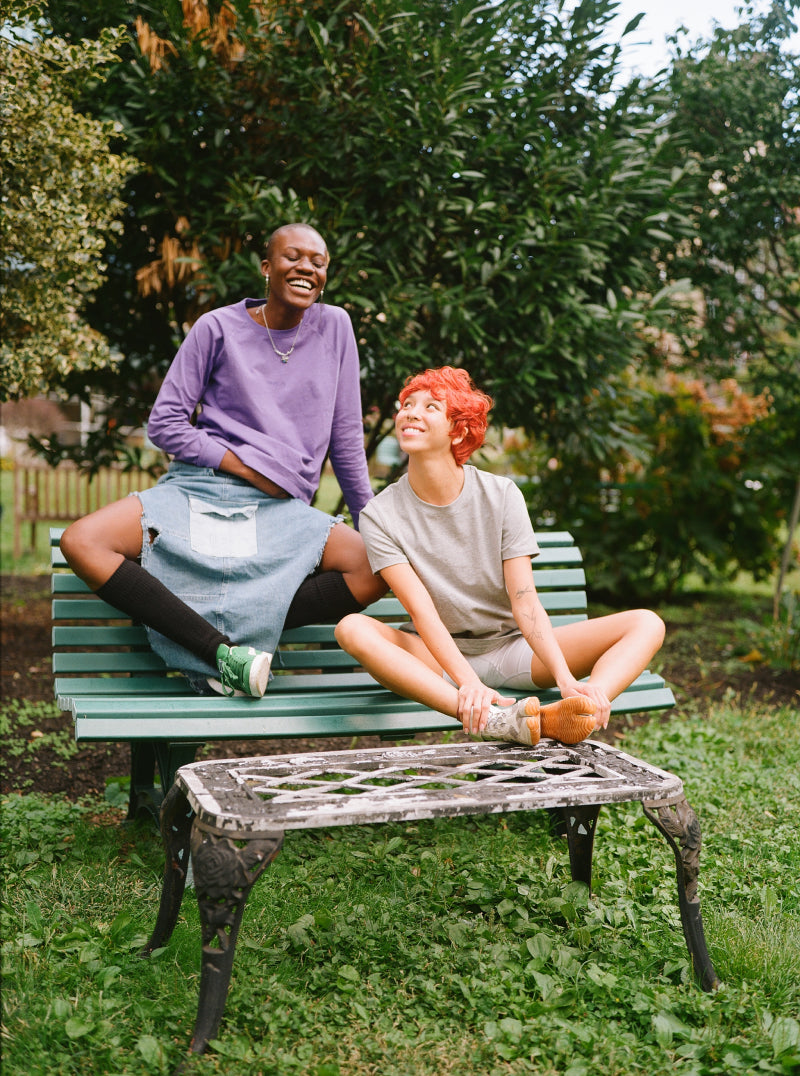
(235, 811)
(118, 690)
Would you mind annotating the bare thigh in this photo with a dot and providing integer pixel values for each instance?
(96, 545)
(358, 628)
(585, 642)
(344, 552)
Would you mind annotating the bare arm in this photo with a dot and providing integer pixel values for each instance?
(474, 697)
(534, 623)
(231, 464)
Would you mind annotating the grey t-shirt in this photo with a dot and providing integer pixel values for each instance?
(457, 550)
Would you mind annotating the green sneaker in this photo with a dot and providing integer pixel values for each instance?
(242, 671)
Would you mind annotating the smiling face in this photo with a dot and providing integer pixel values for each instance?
(465, 405)
(297, 268)
(422, 425)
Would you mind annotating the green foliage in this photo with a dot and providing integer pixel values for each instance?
(432, 948)
(691, 482)
(686, 496)
(490, 198)
(735, 114)
(776, 640)
(493, 198)
(60, 205)
(736, 104)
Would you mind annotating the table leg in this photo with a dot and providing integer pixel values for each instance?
(679, 825)
(226, 866)
(580, 823)
(176, 826)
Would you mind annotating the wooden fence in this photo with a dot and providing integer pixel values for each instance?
(64, 493)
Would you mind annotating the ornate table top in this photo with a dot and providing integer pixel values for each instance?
(338, 788)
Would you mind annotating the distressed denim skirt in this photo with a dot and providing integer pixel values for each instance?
(232, 553)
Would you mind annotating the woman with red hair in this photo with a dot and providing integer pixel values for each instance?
(455, 543)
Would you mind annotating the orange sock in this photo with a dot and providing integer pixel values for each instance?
(568, 720)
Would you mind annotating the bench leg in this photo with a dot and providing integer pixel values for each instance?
(145, 797)
(226, 866)
(679, 825)
(176, 827)
(578, 825)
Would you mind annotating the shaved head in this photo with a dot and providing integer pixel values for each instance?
(281, 232)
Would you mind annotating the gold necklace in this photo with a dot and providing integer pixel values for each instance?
(282, 355)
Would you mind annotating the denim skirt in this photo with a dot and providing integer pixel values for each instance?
(232, 553)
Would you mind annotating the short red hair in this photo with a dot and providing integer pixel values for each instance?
(467, 407)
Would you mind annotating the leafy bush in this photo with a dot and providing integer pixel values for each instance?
(777, 640)
(686, 494)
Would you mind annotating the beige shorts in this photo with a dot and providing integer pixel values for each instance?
(508, 665)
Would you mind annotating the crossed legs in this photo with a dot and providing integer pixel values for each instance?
(611, 650)
(344, 552)
(97, 544)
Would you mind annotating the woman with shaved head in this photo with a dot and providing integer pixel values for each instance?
(260, 393)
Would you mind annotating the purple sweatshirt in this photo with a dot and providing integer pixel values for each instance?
(279, 418)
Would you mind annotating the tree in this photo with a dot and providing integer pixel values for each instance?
(60, 204)
(495, 200)
(490, 200)
(712, 476)
(735, 111)
(738, 100)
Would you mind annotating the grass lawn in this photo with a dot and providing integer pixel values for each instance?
(451, 946)
(439, 947)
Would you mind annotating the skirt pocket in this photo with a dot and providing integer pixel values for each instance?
(219, 531)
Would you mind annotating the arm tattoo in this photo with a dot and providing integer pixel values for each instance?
(530, 614)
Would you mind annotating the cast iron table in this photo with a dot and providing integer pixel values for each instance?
(231, 816)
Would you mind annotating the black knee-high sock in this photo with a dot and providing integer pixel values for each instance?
(321, 599)
(133, 590)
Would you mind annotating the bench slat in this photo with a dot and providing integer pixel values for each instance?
(323, 700)
(109, 660)
(85, 609)
(67, 609)
(177, 714)
(355, 715)
(545, 578)
(121, 661)
(67, 687)
(547, 539)
(147, 727)
(106, 636)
